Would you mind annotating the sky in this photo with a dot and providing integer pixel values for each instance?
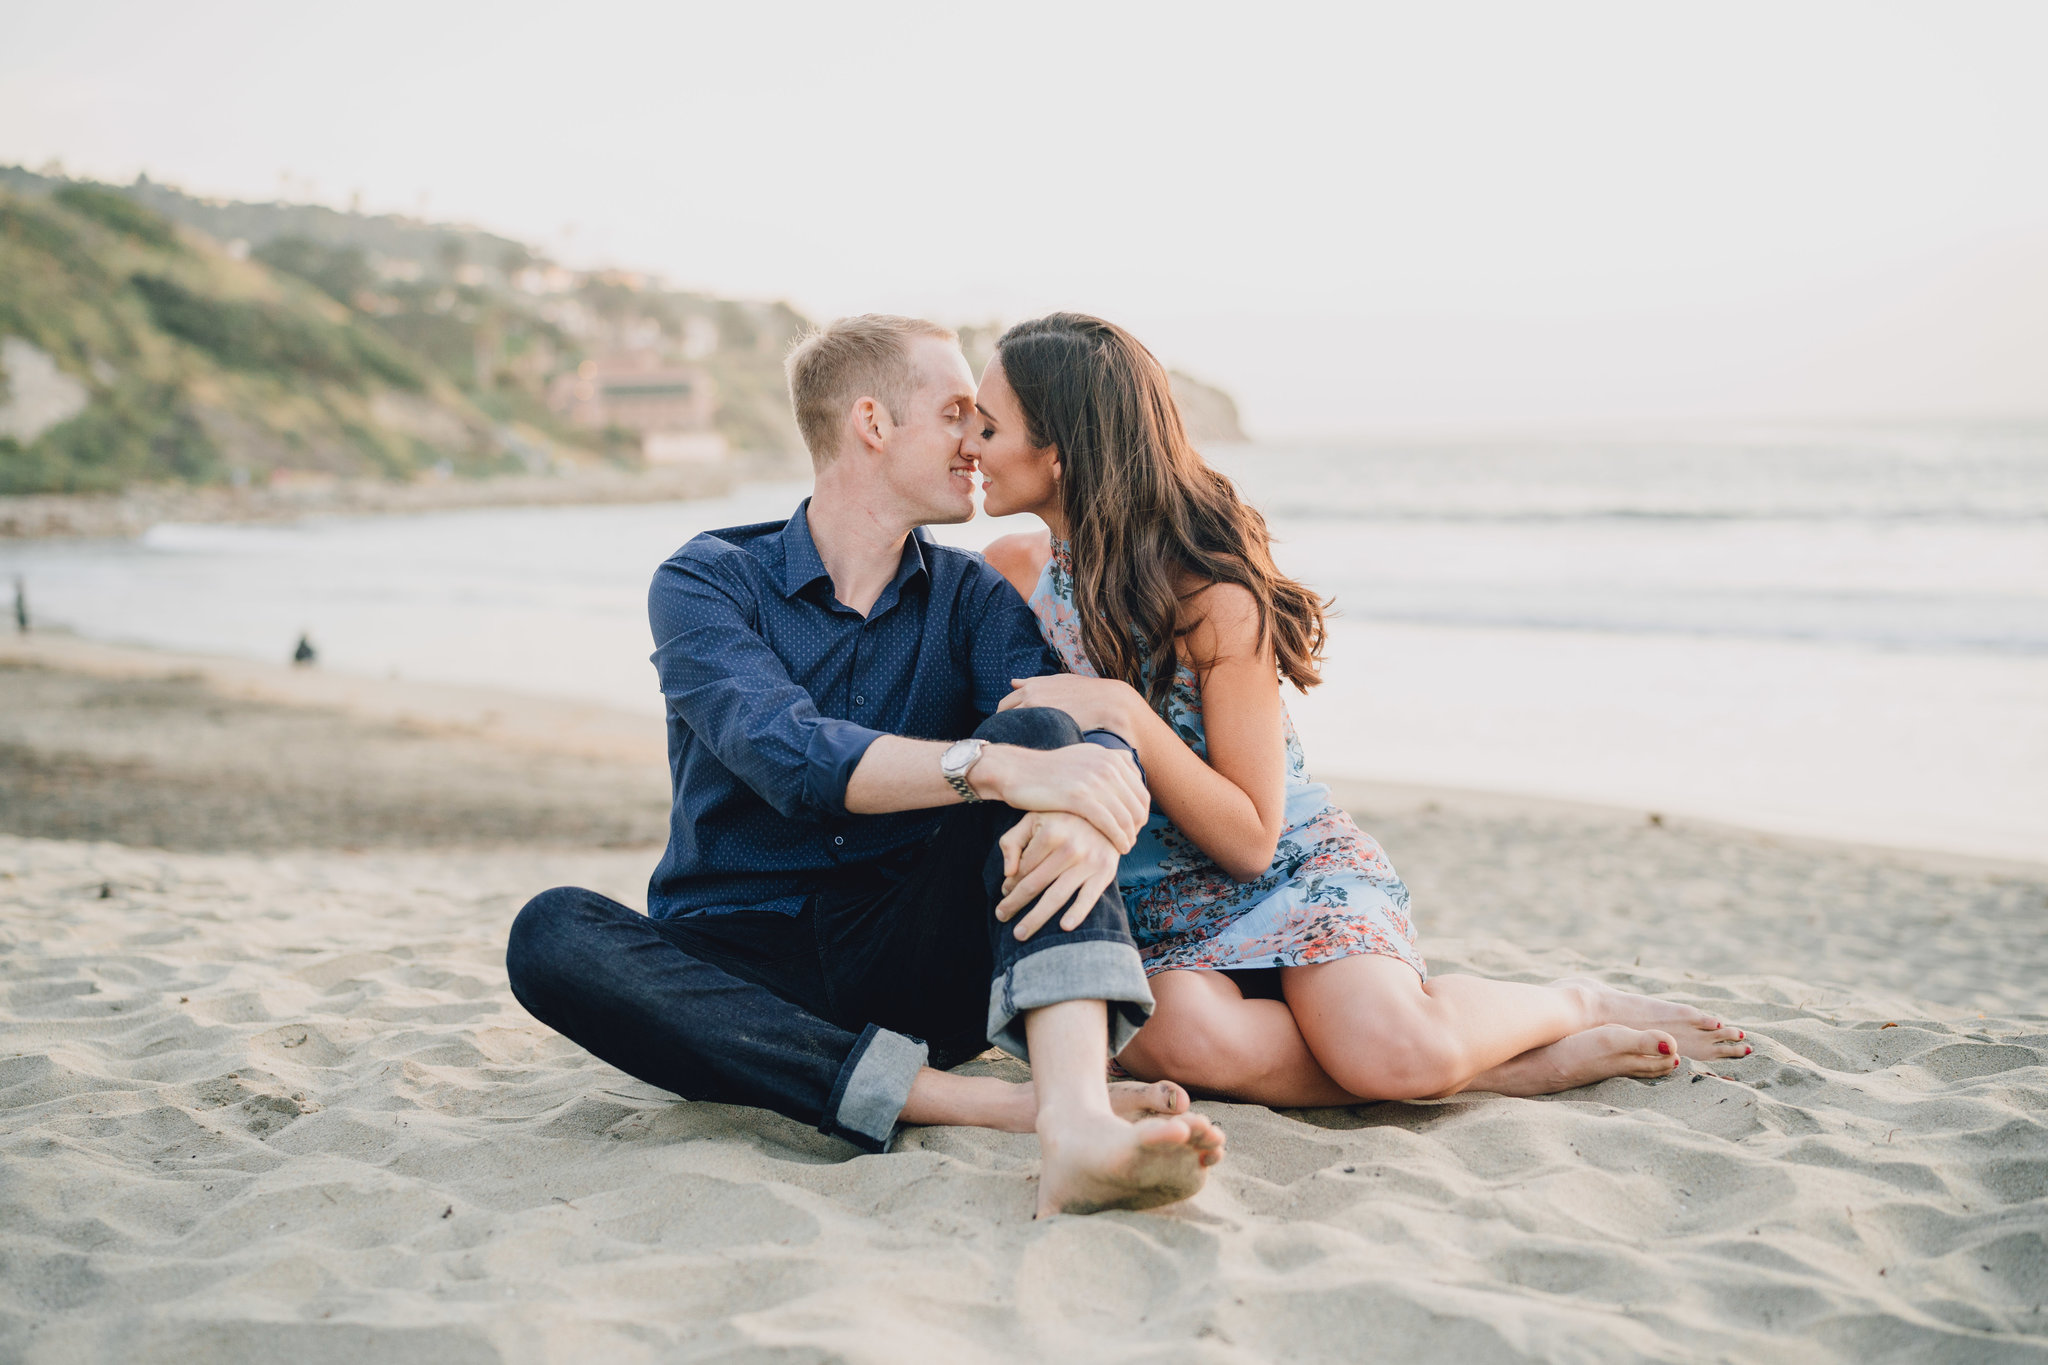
(1358, 219)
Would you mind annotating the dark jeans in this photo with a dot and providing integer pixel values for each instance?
(826, 1016)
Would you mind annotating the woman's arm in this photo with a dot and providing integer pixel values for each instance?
(1234, 805)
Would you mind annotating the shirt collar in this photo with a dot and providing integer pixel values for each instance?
(801, 565)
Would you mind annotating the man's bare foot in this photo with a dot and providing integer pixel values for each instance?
(1094, 1161)
(1595, 1054)
(1698, 1035)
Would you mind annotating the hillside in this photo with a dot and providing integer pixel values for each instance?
(136, 345)
(149, 336)
(1210, 413)
(135, 352)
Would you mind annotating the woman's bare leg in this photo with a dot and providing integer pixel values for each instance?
(1382, 1033)
(944, 1098)
(1588, 1056)
(1206, 1035)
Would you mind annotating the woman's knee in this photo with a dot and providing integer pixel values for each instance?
(1404, 1062)
(1030, 727)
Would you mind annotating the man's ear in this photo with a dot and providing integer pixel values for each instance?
(871, 423)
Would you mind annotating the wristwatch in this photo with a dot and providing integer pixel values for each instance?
(955, 763)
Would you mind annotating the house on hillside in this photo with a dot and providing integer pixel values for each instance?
(669, 406)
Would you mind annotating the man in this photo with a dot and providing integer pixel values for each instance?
(844, 911)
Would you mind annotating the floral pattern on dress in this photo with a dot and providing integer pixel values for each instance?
(1330, 892)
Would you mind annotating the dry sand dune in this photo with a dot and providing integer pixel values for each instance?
(283, 1107)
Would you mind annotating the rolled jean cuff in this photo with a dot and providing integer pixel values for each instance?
(1105, 969)
(867, 1100)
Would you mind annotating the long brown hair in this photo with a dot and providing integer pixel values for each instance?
(1145, 513)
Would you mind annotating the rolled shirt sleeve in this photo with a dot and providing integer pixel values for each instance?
(726, 684)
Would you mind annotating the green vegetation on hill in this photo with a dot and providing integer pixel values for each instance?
(196, 367)
(118, 212)
(203, 341)
(268, 338)
(224, 342)
(340, 272)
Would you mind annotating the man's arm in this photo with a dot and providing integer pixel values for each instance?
(725, 683)
(1098, 784)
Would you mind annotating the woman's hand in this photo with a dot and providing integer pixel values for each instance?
(1094, 703)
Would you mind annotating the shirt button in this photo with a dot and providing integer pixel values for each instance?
(839, 838)
(859, 700)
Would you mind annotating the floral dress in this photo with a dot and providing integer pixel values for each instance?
(1330, 893)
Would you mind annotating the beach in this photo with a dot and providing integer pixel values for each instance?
(1832, 634)
(266, 1092)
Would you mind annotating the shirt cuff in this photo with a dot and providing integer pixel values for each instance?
(833, 752)
(1110, 739)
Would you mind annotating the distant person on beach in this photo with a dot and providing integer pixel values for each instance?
(842, 914)
(1275, 933)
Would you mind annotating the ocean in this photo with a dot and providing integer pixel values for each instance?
(1834, 631)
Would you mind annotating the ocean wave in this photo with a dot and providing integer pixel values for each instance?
(1941, 628)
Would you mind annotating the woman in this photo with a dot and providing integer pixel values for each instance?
(1276, 933)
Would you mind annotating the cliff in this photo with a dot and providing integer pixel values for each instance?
(138, 351)
(140, 343)
(1209, 412)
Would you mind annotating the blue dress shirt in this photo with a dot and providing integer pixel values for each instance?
(775, 690)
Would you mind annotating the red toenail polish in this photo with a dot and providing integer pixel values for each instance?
(1664, 1048)
(1746, 1051)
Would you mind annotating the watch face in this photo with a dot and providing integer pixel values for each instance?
(962, 753)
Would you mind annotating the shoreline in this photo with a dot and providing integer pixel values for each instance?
(574, 727)
(130, 513)
(192, 753)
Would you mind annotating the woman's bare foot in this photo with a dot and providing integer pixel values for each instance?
(1595, 1054)
(1094, 1161)
(1134, 1100)
(1128, 1100)
(1698, 1035)
(1012, 1106)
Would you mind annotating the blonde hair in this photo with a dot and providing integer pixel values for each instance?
(832, 367)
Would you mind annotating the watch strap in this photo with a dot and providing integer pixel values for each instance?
(957, 780)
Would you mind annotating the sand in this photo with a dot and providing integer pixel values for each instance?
(264, 1094)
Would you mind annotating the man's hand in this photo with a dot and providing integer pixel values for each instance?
(1061, 860)
(1100, 785)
